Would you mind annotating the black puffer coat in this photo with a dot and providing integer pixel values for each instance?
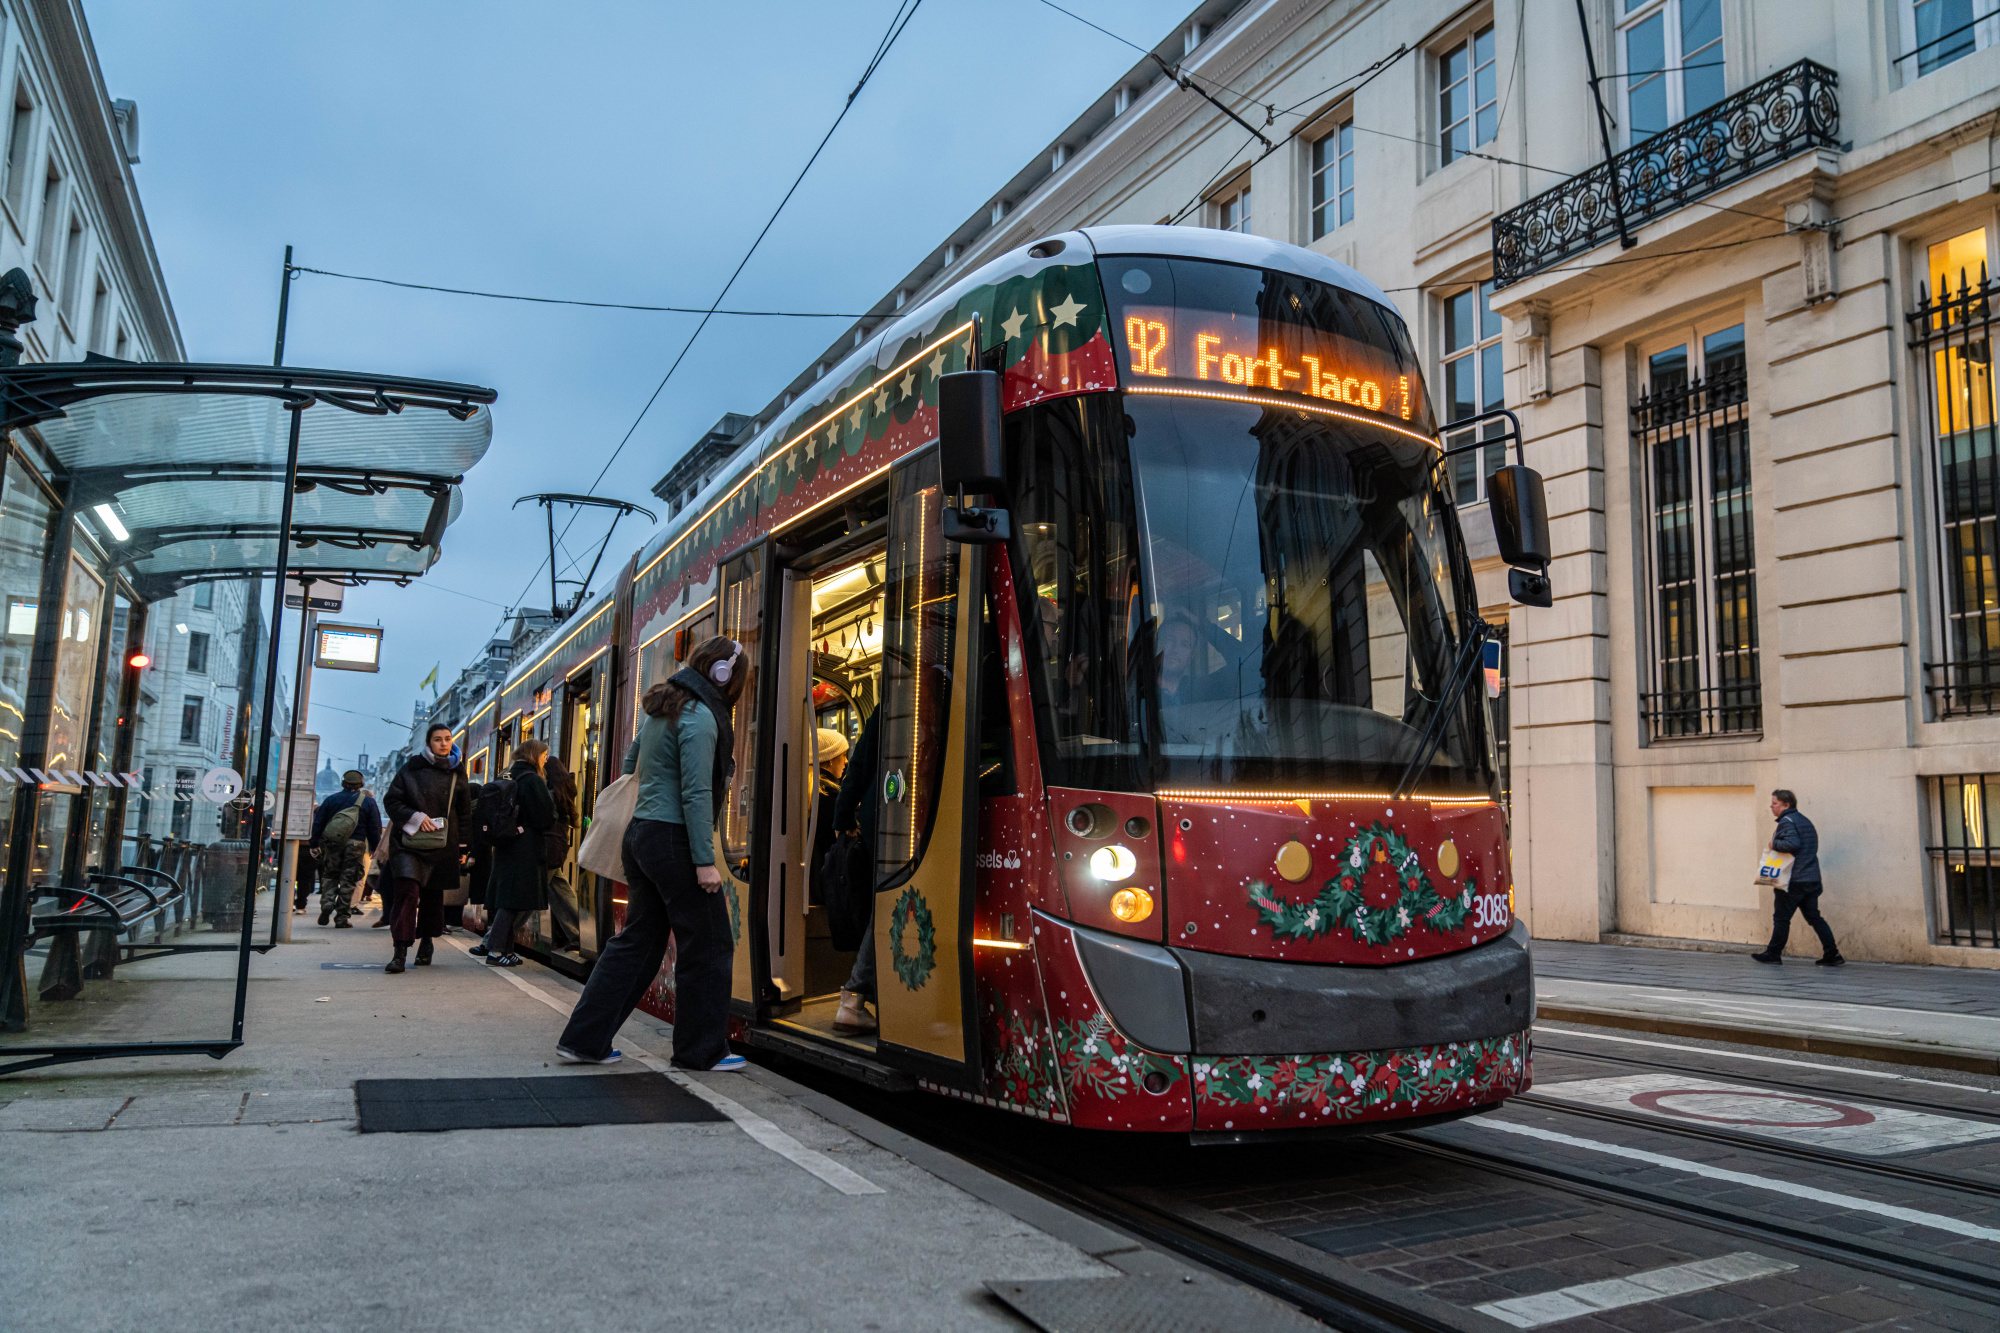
(519, 881)
(439, 789)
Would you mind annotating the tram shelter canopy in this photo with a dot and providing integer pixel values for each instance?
(182, 465)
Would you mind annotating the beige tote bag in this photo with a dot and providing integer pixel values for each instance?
(603, 850)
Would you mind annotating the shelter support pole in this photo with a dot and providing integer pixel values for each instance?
(284, 308)
(288, 858)
(258, 815)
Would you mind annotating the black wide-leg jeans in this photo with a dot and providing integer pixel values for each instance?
(663, 898)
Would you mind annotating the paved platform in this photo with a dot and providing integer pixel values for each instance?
(183, 1193)
(1940, 1017)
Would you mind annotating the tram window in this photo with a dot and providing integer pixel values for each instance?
(996, 732)
(920, 620)
(1307, 600)
(1075, 513)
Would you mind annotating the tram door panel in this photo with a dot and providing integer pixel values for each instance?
(582, 754)
(791, 788)
(927, 830)
(742, 619)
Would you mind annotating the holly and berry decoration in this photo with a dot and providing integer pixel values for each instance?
(1341, 905)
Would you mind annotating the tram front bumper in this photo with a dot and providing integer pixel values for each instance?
(1185, 1002)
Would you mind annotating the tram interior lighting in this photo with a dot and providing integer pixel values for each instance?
(1114, 862)
(109, 517)
(1131, 904)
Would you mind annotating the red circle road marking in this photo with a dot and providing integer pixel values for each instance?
(1849, 1115)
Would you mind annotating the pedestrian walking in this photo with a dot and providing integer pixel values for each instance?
(428, 804)
(518, 881)
(682, 757)
(345, 826)
(557, 844)
(1796, 836)
(832, 753)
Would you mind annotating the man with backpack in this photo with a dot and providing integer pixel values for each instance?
(345, 826)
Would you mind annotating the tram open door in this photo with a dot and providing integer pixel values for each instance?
(928, 829)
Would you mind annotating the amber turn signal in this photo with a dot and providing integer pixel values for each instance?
(1131, 904)
(140, 661)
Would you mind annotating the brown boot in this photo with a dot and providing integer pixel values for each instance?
(396, 963)
(853, 1020)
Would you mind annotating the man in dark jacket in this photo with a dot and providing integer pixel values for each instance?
(1797, 837)
(429, 795)
(341, 860)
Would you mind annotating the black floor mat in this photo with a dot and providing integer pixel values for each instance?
(420, 1105)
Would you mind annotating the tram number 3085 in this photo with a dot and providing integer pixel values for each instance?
(1489, 909)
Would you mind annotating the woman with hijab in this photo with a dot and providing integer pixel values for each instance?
(683, 756)
(428, 806)
(517, 882)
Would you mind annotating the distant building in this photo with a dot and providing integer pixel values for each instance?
(698, 466)
(326, 782)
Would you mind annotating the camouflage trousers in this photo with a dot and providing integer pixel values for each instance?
(340, 867)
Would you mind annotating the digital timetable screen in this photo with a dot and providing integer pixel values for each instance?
(1197, 324)
(348, 647)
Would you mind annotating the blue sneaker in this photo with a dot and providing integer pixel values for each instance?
(728, 1064)
(569, 1057)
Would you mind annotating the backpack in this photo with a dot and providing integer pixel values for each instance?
(496, 816)
(340, 825)
(847, 888)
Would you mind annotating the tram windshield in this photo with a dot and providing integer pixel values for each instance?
(1235, 593)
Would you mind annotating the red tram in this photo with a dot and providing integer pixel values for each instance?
(1189, 814)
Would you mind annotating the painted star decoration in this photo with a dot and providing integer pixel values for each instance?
(909, 384)
(854, 419)
(1067, 312)
(882, 401)
(937, 366)
(1012, 324)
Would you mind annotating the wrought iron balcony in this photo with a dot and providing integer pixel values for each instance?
(1774, 119)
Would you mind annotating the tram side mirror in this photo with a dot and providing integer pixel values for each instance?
(970, 458)
(1521, 528)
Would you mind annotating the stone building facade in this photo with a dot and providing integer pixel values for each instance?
(1772, 477)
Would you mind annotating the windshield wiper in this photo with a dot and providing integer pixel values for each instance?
(1454, 686)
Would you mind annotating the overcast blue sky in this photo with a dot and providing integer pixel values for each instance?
(616, 152)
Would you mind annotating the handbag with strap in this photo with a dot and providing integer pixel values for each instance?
(433, 839)
(1775, 870)
(603, 850)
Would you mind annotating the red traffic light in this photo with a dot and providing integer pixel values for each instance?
(139, 661)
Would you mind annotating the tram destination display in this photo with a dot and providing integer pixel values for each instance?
(1206, 329)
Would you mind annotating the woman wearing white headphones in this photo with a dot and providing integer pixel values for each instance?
(683, 755)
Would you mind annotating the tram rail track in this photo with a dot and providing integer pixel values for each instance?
(1976, 1282)
(1769, 1147)
(1544, 1046)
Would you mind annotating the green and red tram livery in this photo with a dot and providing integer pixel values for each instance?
(1188, 807)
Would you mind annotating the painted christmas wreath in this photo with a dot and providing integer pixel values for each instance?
(1341, 906)
(913, 970)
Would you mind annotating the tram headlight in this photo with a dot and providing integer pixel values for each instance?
(1131, 905)
(1113, 863)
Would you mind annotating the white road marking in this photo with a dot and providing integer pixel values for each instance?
(1764, 1059)
(1935, 1221)
(1795, 1117)
(842, 1178)
(1552, 1307)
